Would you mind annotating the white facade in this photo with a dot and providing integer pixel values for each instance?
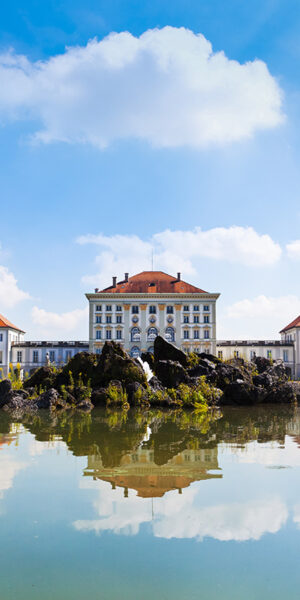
(291, 335)
(31, 355)
(135, 319)
(248, 349)
(8, 336)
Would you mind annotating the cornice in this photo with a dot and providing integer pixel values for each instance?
(178, 297)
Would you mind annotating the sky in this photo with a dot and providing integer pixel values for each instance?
(130, 127)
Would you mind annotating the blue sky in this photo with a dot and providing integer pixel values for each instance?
(167, 135)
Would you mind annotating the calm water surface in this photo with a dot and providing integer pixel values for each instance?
(153, 506)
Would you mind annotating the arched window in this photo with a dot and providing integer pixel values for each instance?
(135, 352)
(152, 334)
(135, 334)
(170, 334)
(151, 349)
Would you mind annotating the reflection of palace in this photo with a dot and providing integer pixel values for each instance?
(138, 471)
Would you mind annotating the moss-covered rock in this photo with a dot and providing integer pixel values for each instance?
(42, 379)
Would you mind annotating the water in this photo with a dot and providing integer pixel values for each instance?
(158, 506)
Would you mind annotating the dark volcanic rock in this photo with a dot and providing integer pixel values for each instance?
(137, 394)
(50, 399)
(43, 377)
(5, 391)
(242, 393)
(81, 366)
(171, 373)
(165, 351)
(115, 364)
(156, 385)
(262, 364)
(210, 357)
(148, 357)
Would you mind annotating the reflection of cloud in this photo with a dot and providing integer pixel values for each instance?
(8, 470)
(296, 518)
(236, 521)
(181, 516)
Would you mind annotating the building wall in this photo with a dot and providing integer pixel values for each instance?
(293, 336)
(31, 355)
(270, 349)
(7, 338)
(143, 318)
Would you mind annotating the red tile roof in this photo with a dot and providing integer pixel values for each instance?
(295, 323)
(152, 282)
(6, 323)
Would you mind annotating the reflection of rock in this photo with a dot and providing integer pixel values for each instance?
(138, 471)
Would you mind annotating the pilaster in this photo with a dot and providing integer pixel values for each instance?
(178, 308)
(126, 326)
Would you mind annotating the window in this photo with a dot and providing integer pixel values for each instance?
(52, 356)
(1, 337)
(236, 354)
(118, 308)
(170, 310)
(206, 334)
(108, 319)
(269, 354)
(98, 319)
(286, 356)
(252, 354)
(186, 308)
(68, 355)
(98, 308)
(1, 357)
(98, 334)
(151, 349)
(206, 318)
(196, 318)
(185, 319)
(152, 310)
(19, 356)
(119, 334)
(98, 350)
(152, 333)
(134, 310)
(119, 319)
(196, 308)
(186, 334)
(108, 334)
(170, 334)
(108, 308)
(206, 308)
(196, 335)
(220, 354)
(35, 356)
(135, 352)
(135, 334)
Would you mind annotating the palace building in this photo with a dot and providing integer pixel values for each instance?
(137, 309)
(14, 350)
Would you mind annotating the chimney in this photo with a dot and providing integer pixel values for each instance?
(114, 281)
(96, 290)
(178, 276)
(126, 277)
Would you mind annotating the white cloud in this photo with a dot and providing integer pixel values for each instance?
(10, 293)
(265, 307)
(261, 317)
(293, 250)
(50, 322)
(167, 87)
(129, 253)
